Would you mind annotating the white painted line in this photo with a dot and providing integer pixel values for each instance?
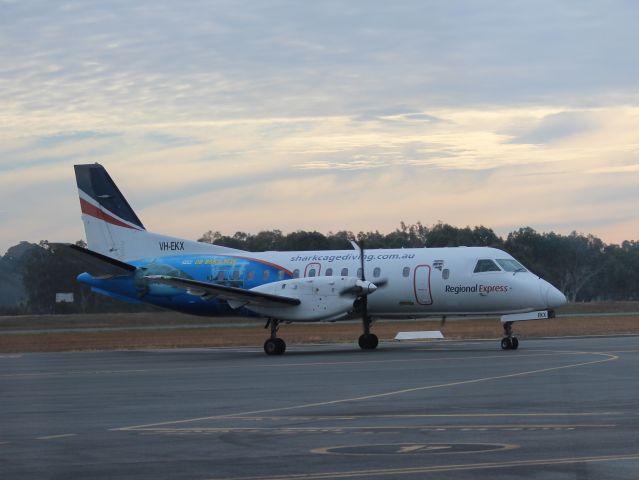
(51, 437)
(606, 358)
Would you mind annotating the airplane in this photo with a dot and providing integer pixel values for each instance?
(299, 286)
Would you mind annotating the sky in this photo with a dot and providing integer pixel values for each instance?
(326, 115)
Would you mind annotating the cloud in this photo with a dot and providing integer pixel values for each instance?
(343, 115)
(557, 127)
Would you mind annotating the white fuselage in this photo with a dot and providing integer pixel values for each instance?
(428, 281)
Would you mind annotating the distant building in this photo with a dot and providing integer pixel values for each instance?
(64, 298)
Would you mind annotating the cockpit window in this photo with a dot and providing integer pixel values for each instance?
(510, 265)
(486, 265)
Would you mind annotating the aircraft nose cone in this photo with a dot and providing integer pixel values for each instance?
(554, 298)
(371, 287)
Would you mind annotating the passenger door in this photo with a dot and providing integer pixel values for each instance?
(421, 284)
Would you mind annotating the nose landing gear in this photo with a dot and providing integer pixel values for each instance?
(368, 340)
(509, 342)
(274, 345)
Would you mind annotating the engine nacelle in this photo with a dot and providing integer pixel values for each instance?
(322, 298)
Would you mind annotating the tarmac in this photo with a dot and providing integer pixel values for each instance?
(554, 409)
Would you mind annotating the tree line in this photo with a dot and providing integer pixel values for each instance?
(582, 266)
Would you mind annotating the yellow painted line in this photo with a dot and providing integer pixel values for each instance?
(74, 373)
(441, 468)
(271, 366)
(385, 427)
(427, 415)
(51, 437)
(608, 358)
(622, 351)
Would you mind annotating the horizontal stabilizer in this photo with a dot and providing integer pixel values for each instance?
(103, 260)
(222, 292)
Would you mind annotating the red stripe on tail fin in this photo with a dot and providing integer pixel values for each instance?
(94, 211)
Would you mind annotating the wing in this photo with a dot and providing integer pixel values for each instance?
(208, 290)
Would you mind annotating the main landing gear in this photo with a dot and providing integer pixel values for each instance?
(368, 340)
(509, 342)
(274, 345)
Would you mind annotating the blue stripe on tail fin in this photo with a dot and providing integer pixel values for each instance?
(95, 182)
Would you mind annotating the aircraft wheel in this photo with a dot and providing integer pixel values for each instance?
(514, 343)
(506, 343)
(274, 346)
(368, 341)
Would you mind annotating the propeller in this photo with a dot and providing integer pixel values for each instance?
(363, 288)
(366, 340)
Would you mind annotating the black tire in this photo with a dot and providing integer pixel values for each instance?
(506, 344)
(368, 342)
(273, 346)
(514, 343)
(281, 345)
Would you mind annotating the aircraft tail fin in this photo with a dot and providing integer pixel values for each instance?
(113, 229)
(101, 198)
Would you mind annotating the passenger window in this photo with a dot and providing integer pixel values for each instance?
(296, 273)
(445, 273)
(486, 266)
(376, 272)
(236, 275)
(250, 275)
(280, 274)
(220, 276)
(311, 272)
(329, 272)
(406, 271)
(266, 274)
(344, 272)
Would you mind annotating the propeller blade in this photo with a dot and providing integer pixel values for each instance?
(360, 289)
(363, 288)
(381, 283)
(355, 290)
(361, 258)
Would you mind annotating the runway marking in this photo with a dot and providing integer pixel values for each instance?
(51, 437)
(608, 358)
(428, 415)
(339, 429)
(440, 468)
(375, 449)
(76, 372)
(281, 365)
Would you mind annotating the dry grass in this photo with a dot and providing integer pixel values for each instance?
(214, 336)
